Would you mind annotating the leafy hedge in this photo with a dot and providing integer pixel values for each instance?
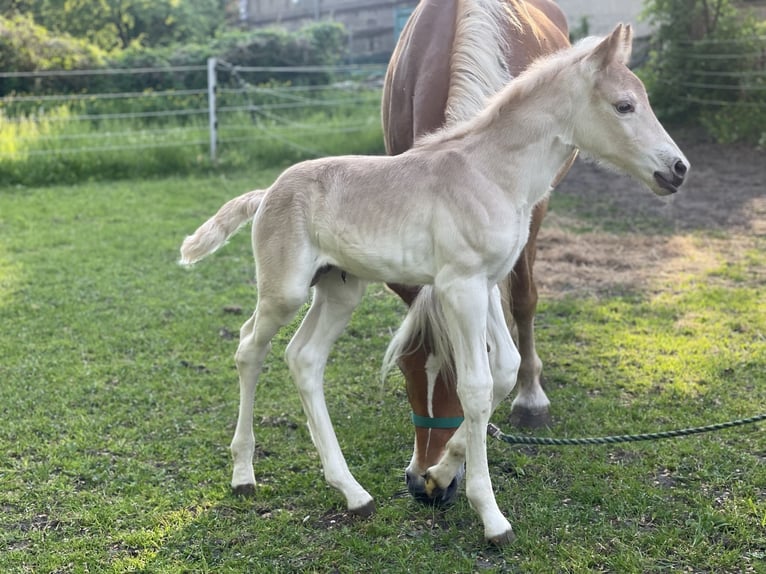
(707, 66)
(26, 46)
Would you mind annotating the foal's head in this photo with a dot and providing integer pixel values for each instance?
(615, 123)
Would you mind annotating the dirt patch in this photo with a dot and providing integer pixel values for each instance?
(332, 520)
(716, 218)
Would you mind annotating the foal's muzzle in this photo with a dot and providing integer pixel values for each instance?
(671, 181)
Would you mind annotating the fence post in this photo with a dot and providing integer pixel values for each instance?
(211, 92)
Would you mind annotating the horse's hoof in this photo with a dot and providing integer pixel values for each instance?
(364, 511)
(425, 490)
(504, 539)
(243, 490)
(523, 417)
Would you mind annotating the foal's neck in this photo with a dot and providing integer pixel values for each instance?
(526, 142)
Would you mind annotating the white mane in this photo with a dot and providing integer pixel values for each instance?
(478, 67)
(538, 73)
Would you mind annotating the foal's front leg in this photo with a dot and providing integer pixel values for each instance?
(466, 304)
(335, 297)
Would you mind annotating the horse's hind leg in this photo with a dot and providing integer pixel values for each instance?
(255, 336)
(335, 297)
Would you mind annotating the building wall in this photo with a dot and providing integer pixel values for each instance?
(371, 22)
(603, 15)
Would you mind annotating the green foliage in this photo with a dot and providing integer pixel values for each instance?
(117, 24)
(580, 31)
(26, 46)
(707, 65)
(318, 44)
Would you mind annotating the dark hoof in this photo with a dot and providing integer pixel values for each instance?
(504, 539)
(426, 491)
(243, 490)
(364, 511)
(522, 417)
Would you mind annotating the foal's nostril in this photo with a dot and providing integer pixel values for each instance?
(680, 168)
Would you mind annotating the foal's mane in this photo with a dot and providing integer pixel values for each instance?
(539, 73)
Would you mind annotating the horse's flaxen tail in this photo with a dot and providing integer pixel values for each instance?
(424, 325)
(216, 231)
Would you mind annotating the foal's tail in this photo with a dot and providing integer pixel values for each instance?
(424, 325)
(216, 231)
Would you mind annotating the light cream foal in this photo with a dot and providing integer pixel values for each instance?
(337, 223)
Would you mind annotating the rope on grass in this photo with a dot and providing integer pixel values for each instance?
(495, 432)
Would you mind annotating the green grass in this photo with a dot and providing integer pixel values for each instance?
(51, 147)
(118, 399)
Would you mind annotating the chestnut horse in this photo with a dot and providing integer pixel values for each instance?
(451, 56)
(327, 227)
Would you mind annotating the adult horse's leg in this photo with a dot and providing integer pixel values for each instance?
(484, 380)
(433, 396)
(335, 298)
(531, 407)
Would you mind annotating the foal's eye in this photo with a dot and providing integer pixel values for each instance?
(624, 107)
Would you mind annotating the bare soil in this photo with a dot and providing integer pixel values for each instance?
(607, 234)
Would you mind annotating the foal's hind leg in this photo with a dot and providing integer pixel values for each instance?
(255, 336)
(335, 297)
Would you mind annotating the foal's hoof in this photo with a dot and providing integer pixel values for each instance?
(523, 417)
(364, 511)
(504, 539)
(243, 490)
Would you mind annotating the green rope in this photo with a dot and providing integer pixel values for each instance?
(495, 432)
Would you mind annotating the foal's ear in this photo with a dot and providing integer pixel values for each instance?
(616, 47)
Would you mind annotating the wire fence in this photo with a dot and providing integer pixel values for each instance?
(182, 116)
(73, 113)
(723, 73)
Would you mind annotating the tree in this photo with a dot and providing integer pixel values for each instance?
(117, 24)
(26, 46)
(706, 65)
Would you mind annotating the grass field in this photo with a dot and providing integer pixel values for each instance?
(118, 397)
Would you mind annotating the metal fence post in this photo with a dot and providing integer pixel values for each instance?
(211, 91)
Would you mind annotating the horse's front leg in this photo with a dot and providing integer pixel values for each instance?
(466, 304)
(531, 407)
(335, 297)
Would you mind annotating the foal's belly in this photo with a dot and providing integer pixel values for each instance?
(411, 262)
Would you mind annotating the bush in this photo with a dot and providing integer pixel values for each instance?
(707, 66)
(26, 47)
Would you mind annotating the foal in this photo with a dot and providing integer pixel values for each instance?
(336, 223)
